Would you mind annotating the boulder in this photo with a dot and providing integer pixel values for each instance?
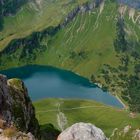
(82, 131)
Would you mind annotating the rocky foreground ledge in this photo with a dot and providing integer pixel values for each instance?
(17, 113)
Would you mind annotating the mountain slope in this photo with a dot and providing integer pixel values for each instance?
(34, 16)
(98, 40)
(9, 7)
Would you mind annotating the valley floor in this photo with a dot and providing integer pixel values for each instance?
(65, 112)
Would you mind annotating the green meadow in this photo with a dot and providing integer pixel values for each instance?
(105, 117)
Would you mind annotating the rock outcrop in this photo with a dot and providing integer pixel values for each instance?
(16, 108)
(16, 136)
(136, 134)
(88, 6)
(82, 131)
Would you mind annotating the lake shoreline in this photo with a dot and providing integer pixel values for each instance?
(121, 101)
(74, 82)
(118, 98)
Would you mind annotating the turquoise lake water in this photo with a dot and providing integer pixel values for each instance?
(48, 82)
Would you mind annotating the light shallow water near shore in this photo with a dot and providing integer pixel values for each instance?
(48, 82)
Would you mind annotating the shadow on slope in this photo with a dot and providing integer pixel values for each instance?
(49, 132)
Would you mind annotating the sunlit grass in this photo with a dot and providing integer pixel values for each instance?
(105, 117)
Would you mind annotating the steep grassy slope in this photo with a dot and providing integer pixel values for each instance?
(9, 7)
(104, 117)
(86, 43)
(84, 40)
(35, 16)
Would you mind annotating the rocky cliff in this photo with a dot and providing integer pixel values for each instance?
(16, 109)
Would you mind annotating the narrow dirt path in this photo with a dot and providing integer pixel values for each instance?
(73, 108)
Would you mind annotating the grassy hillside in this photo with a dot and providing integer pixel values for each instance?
(104, 117)
(86, 43)
(33, 17)
(88, 39)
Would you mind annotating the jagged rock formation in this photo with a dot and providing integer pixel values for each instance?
(81, 9)
(16, 108)
(82, 131)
